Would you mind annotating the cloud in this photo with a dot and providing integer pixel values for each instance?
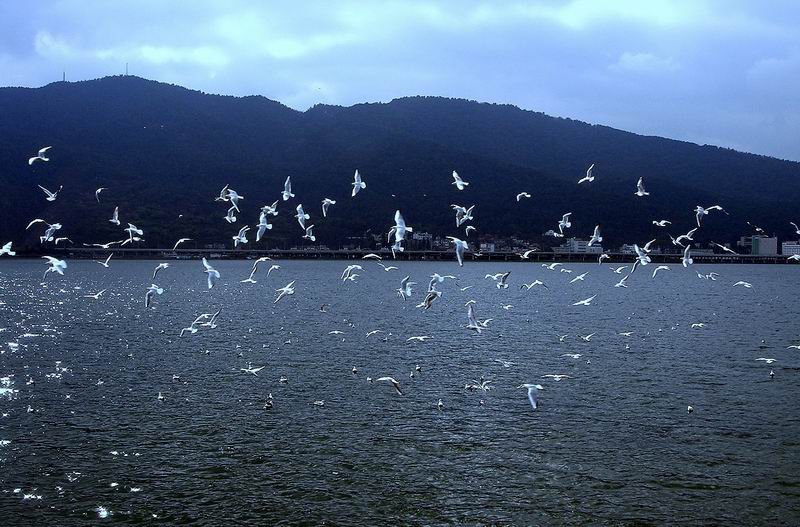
(730, 64)
(644, 62)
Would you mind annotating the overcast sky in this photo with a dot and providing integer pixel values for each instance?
(724, 72)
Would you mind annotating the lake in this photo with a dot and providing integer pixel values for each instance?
(84, 438)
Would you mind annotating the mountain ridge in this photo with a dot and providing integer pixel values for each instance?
(160, 146)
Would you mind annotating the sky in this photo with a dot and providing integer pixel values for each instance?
(722, 72)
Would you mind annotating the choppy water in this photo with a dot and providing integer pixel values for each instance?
(82, 428)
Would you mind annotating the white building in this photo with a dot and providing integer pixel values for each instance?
(790, 248)
(575, 245)
(764, 246)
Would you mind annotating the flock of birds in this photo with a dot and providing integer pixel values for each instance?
(397, 235)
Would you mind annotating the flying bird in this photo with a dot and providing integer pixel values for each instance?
(287, 189)
(458, 182)
(596, 238)
(182, 240)
(325, 204)
(460, 247)
(148, 296)
(394, 383)
(588, 178)
(532, 392)
(640, 189)
(357, 184)
(51, 196)
(40, 156)
(212, 274)
(522, 195)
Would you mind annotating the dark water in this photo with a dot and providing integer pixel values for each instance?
(611, 445)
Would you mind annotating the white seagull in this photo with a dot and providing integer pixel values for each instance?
(182, 240)
(213, 274)
(588, 177)
(148, 296)
(115, 217)
(288, 289)
(703, 211)
(357, 184)
(158, 268)
(6, 249)
(287, 189)
(105, 263)
(325, 204)
(532, 392)
(458, 182)
(522, 195)
(394, 383)
(460, 247)
(596, 238)
(659, 268)
(241, 237)
(640, 189)
(302, 216)
(586, 302)
(51, 196)
(40, 156)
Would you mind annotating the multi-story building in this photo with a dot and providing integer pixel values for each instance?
(576, 245)
(790, 248)
(764, 246)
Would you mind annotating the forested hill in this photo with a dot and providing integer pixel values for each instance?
(164, 151)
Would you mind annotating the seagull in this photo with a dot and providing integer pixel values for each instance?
(241, 237)
(223, 194)
(271, 209)
(662, 223)
(522, 195)
(795, 257)
(622, 283)
(500, 278)
(556, 377)
(302, 216)
(6, 249)
(697, 325)
(596, 238)
(725, 249)
(263, 225)
(552, 266)
(255, 268)
(51, 196)
(640, 189)
(588, 177)
(325, 204)
(115, 218)
(348, 271)
(158, 268)
(564, 223)
(429, 298)
(533, 284)
(309, 235)
(131, 229)
(686, 261)
(742, 283)
(689, 409)
(796, 228)
(40, 156)
(252, 370)
(395, 384)
(288, 289)
(62, 239)
(148, 296)
(213, 274)
(458, 182)
(399, 230)
(587, 338)
(48, 234)
(618, 270)
(472, 323)
(468, 229)
(440, 405)
(182, 240)
(96, 296)
(603, 256)
(234, 198)
(687, 236)
(371, 256)
(105, 263)
(460, 247)
(659, 268)
(526, 254)
(287, 189)
(421, 338)
(579, 277)
(387, 268)
(572, 355)
(586, 302)
(643, 257)
(405, 288)
(532, 392)
(703, 211)
(357, 184)
(97, 193)
(768, 361)
(463, 215)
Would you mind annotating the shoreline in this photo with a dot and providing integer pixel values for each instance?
(358, 254)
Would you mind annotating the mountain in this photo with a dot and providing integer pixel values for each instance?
(164, 151)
